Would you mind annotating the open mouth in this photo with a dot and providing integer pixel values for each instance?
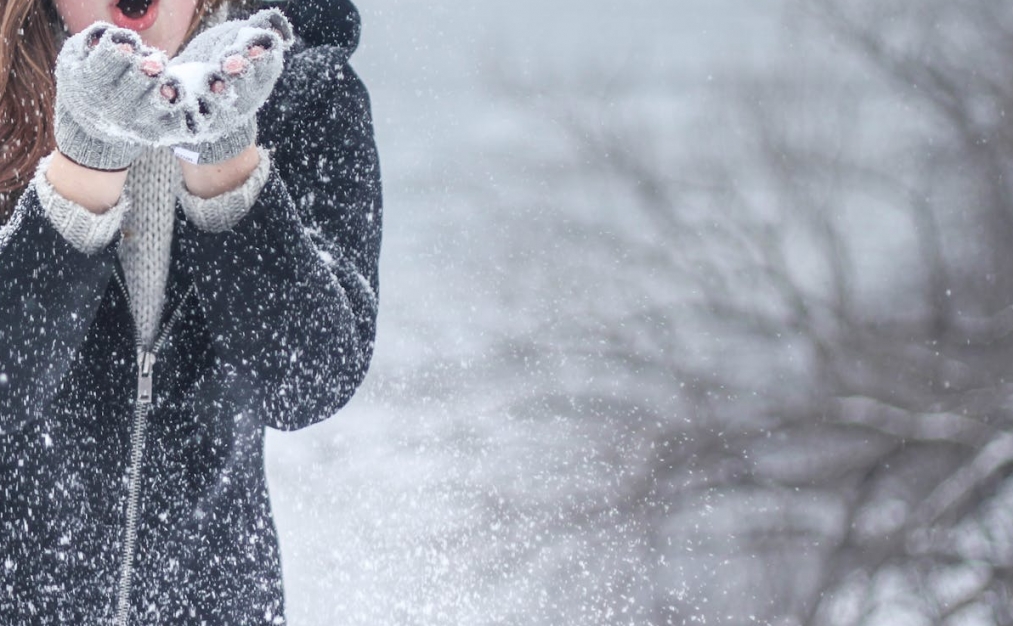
(135, 14)
(134, 9)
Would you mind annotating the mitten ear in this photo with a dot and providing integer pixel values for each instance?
(104, 33)
(93, 35)
(120, 37)
(274, 19)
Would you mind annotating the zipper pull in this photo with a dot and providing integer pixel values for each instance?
(145, 365)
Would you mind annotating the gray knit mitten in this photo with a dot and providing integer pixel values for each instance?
(224, 76)
(110, 99)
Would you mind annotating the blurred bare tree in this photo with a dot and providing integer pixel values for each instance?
(796, 316)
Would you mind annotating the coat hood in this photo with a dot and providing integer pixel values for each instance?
(323, 22)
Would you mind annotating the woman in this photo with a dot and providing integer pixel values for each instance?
(190, 255)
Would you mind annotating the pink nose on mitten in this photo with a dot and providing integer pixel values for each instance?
(236, 64)
(152, 67)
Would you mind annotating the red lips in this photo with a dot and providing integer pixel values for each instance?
(144, 21)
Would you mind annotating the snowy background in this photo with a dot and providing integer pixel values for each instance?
(680, 322)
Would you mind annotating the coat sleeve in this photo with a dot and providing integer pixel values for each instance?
(289, 293)
(49, 294)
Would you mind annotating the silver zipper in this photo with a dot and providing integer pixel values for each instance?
(145, 395)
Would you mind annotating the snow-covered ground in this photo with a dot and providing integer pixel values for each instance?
(426, 501)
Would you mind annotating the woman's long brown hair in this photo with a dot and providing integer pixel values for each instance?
(28, 30)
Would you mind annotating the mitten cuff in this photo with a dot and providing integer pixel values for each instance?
(221, 149)
(224, 211)
(82, 148)
(88, 232)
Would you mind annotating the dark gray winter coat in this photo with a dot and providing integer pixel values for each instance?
(270, 324)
